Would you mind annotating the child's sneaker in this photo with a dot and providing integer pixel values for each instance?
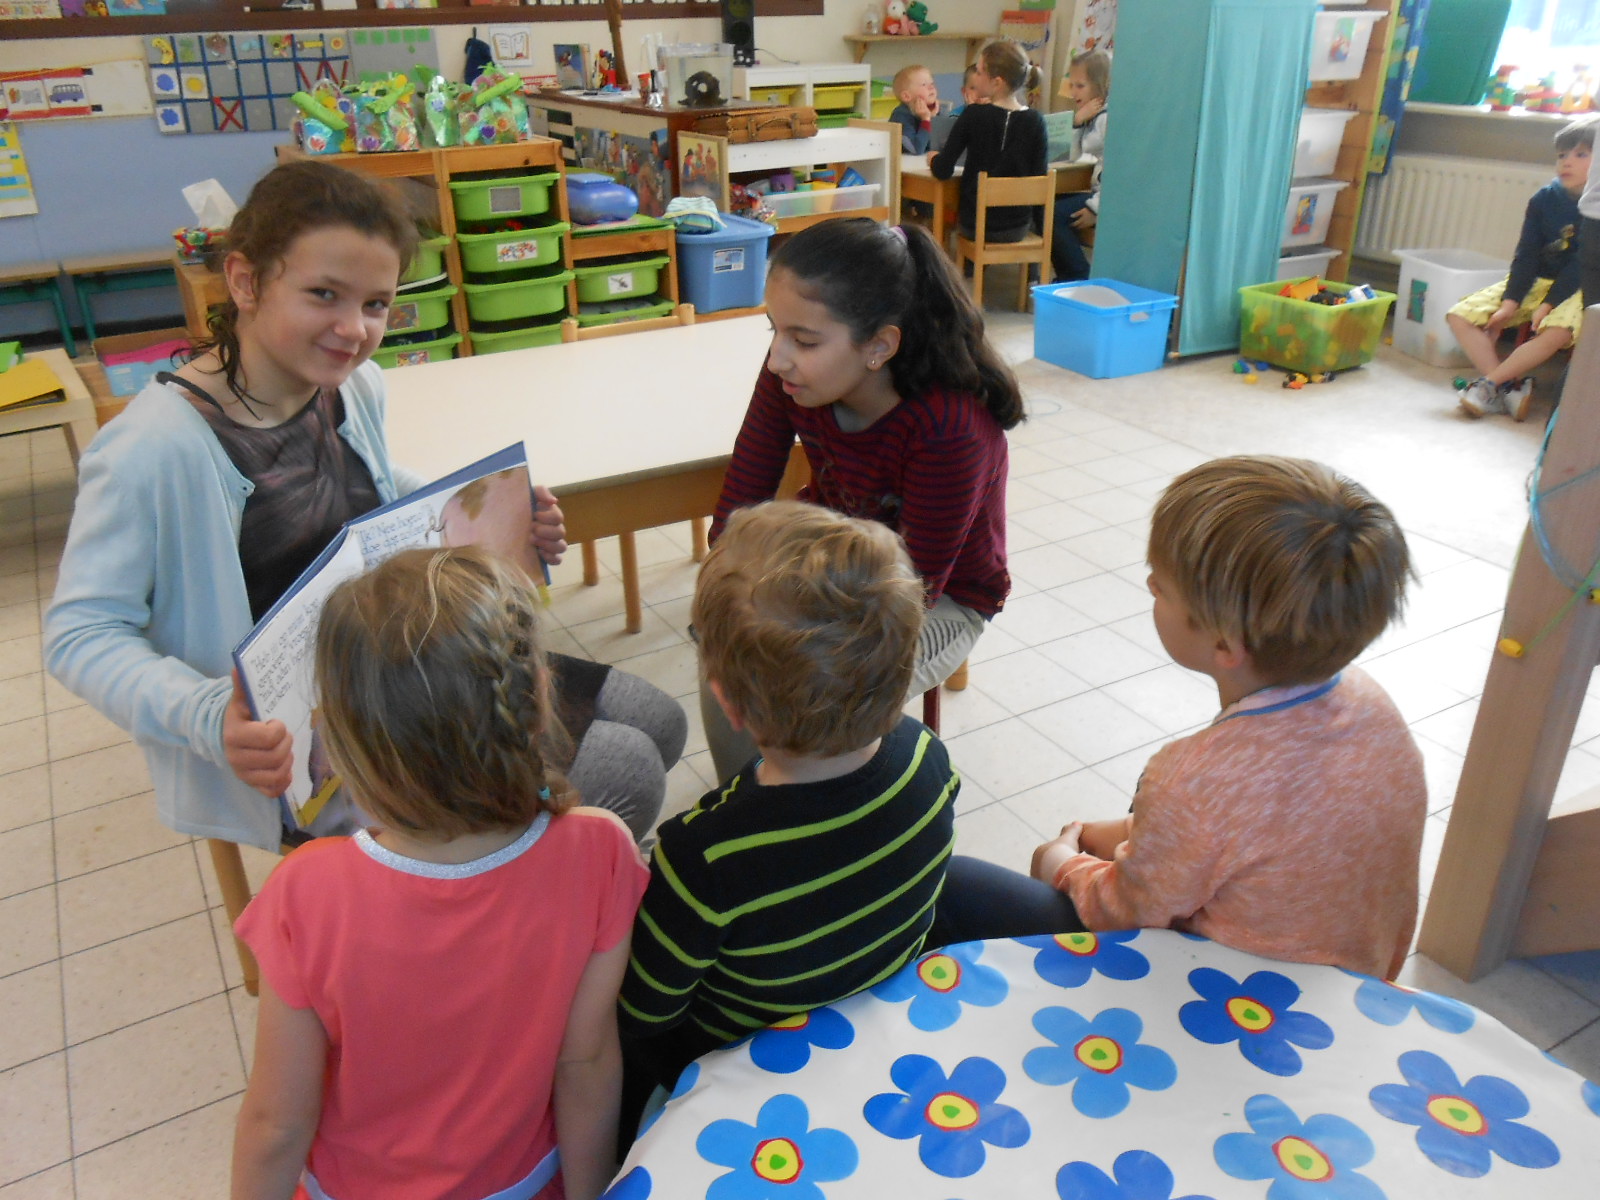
(1480, 398)
(1517, 396)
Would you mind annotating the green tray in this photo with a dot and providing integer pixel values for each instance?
(524, 338)
(512, 249)
(643, 313)
(1301, 336)
(614, 280)
(428, 261)
(496, 196)
(421, 310)
(518, 298)
(417, 352)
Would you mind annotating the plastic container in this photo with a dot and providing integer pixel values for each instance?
(1431, 281)
(414, 353)
(774, 95)
(833, 120)
(1100, 327)
(820, 200)
(882, 107)
(488, 197)
(428, 261)
(511, 249)
(536, 296)
(1317, 147)
(834, 95)
(494, 337)
(594, 198)
(726, 268)
(614, 280)
(613, 312)
(1310, 208)
(422, 310)
(1339, 44)
(1301, 336)
(1305, 261)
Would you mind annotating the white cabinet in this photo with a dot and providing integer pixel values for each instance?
(807, 85)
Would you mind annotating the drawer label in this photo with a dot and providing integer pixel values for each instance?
(404, 316)
(619, 283)
(510, 252)
(506, 199)
(731, 259)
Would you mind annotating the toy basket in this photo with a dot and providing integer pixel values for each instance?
(1301, 336)
(511, 249)
(612, 279)
(421, 310)
(493, 337)
(489, 197)
(534, 297)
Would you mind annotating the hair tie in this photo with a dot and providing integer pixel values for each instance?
(899, 233)
(544, 793)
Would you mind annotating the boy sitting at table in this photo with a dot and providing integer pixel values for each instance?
(812, 873)
(919, 104)
(1291, 826)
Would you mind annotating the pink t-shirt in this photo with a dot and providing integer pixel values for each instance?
(1291, 827)
(444, 991)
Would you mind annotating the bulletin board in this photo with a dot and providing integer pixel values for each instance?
(239, 82)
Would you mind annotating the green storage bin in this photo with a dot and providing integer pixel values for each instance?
(413, 353)
(614, 279)
(488, 198)
(833, 120)
(497, 336)
(512, 249)
(1301, 336)
(615, 312)
(421, 310)
(509, 301)
(428, 261)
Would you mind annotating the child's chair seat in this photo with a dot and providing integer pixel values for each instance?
(1036, 191)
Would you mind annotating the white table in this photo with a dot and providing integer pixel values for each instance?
(630, 432)
(73, 416)
(1140, 1066)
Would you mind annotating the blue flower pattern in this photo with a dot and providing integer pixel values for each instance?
(785, 1046)
(687, 1078)
(1313, 1159)
(1100, 1058)
(635, 1185)
(1390, 1004)
(1259, 1014)
(953, 1117)
(1140, 1175)
(1462, 1126)
(1591, 1096)
(779, 1157)
(938, 984)
(1069, 959)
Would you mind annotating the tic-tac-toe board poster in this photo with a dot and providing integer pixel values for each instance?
(239, 82)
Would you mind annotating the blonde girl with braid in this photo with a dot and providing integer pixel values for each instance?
(438, 993)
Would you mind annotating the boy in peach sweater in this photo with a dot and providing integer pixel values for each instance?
(1291, 826)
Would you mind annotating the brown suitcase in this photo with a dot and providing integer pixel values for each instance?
(766, 125)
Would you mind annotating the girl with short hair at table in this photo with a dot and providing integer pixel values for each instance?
(1089, 82)
(223, 480)
(880, 365)
(438, 995)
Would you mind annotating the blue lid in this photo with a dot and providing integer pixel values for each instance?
(586, 178)
(739, 229)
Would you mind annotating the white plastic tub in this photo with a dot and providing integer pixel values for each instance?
(1305, 220)
(1304, 261)
(1431, 281)
(1317, 146)
(821, 200)
(1339, 43)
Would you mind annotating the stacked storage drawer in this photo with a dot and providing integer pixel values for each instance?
(613, 288)
(835, 104)
(1312, 194)
(511, 258)
(420, 328)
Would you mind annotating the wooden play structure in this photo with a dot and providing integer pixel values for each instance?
(1515, 878)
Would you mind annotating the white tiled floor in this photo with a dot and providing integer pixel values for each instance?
(124, 1033)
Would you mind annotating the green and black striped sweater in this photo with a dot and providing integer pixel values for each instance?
(767, 901)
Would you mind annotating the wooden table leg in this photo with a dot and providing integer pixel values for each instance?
(591, 565)
(630, 582)
(697, 530)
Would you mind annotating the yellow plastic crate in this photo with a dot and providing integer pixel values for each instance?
(774, 95)
(1301, 336)
(835, 95)
(882, 106)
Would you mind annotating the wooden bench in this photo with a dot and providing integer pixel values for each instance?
(34, 282)
(97, 274)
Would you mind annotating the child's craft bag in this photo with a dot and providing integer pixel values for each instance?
(441, 106)
(326, 122)
(494, 111)
(384, 120)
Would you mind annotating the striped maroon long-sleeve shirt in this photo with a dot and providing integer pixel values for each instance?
(933, 469)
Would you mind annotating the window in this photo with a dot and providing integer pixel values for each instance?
(1545, 37)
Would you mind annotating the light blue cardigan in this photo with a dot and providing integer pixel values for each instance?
(151, 600)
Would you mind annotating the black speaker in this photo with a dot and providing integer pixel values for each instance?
(739, 30)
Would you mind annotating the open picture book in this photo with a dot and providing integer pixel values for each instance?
(489, 504)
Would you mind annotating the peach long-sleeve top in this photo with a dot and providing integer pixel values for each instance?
(1291, 827)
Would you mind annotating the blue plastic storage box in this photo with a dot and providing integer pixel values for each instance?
(726, 268)
(1102, 341)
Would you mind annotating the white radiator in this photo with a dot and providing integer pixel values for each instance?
(1434, 201)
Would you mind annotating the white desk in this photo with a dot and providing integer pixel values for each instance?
(630, 432)
(74, 416)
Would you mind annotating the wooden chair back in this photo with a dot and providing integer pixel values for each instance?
(1035, 191)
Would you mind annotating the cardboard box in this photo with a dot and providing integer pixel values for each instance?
(131, 360)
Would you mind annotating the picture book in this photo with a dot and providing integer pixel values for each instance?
(489, 503)
(572, 65)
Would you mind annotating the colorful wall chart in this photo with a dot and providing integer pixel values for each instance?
(239, 82)
(16, 188)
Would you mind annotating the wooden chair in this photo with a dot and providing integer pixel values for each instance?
(930, 698)
(1036, 191)
(235, 885)
(571, 331)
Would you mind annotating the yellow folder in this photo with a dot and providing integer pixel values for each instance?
(29, 383)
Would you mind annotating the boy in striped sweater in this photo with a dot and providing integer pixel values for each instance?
(812, 873)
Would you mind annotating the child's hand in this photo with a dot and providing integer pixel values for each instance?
(1084, 218)
(1088, 110)
(260, 752)
(1503, 314)
(921, 109)
(549, 526)
(1101, 838)
(932, 154)
(1047, 859)
(1536, 322)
